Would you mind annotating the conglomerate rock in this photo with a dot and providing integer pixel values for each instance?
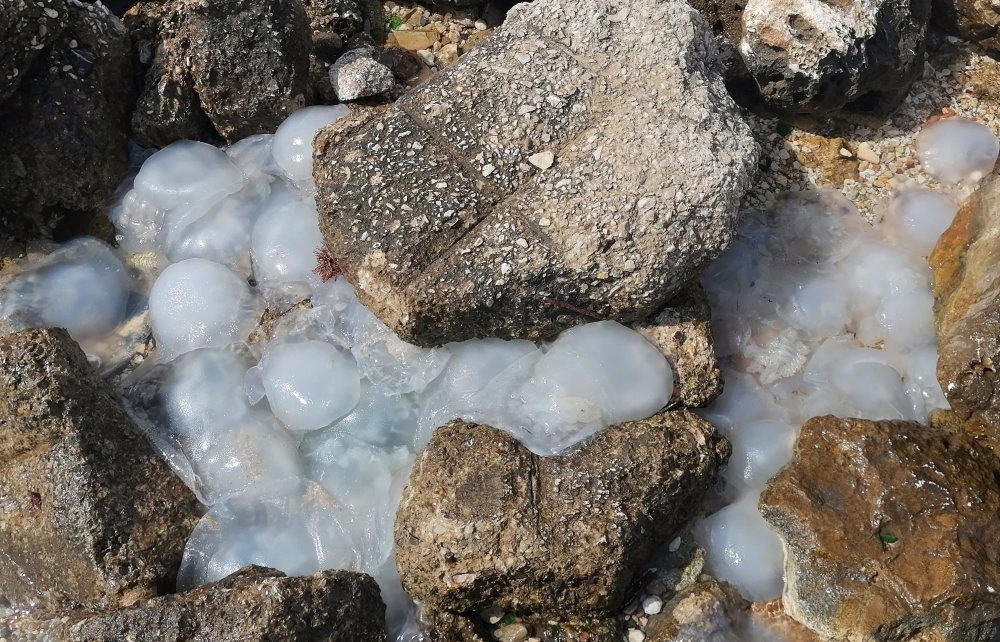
(26, 28)
(63, 130)
(819, 56)
(89, 514)
(577, 165)
(483, 521)
(253, 605)
(967, 315)
(890, 531)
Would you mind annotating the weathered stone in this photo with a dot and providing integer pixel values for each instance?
(889, 530)
(341, 17)
(357, 74)
(63, 132)
(484, 522)
(812, 56)
(26, 28)
(253, 605)
(89, 514)
(708, 611)
(683, 333)
(649, 157)
(975, 20)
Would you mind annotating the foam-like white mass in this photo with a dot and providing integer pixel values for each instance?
(956, 150)
(200, 304)
(293, 142)
(82, 286)
(184, 172)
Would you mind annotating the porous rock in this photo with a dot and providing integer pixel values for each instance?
(967, 315)
(252, 605)
(484, 522)
(974, 20)
(450, 233)
(26, 28)
(341, 17)
(357, 74)
(889, 530)
(89, 514)
(241, 64)
(815, 56)
(63, 131)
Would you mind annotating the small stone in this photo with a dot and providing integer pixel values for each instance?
(635, 635)
(447, 55)
(488, 169)
(428, 57)
(513, 633)
(416, 40)
(866, 153)
(492, 614)
(357, 75)
(846, 153)
(542, 160)
(652, 604)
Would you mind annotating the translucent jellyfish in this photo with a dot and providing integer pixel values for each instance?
(957, 150)
(185, 172)
(195, 411)
(593, 376)
(920, 379)
(743, 399)
(284, 245)
(293, 142)
(817, 304)
(292, 526)
(916, 219)
(860, 382)
(253, 156)
(380, 418)
(874, 271)
(81, 286)
(308, 384)
(200, 304)
(902, 322)
(760, 449)
(138, 223)
(741, 549)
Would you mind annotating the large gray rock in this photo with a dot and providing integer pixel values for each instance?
(241, 65)
(483, 521)
(89, 514)
(578, 165)
(819, 56)
(63, 130)
(252, 605)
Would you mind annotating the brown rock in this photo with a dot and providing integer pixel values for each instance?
(974, 20)
(967, 314)
(253, 605)
(485, 522)
(414, 39)
(89, 514)
(889, 530)
(683, 333)
(709, 611)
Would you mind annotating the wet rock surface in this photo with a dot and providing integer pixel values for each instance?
(254, 605)
(900, 541)
(64, 123)
(484, 522)
(967, 315)
(541, 181)
(234, 67)
(89, 514)
(820, 57)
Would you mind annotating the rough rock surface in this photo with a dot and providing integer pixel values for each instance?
(26, 28)
(967, 315)
(483, 521)
(253, 605)
(704, 612)
(683, 332)
(89, 514)
(357, 74)
(900, 540)
(818, 56)
(577, 165)
(975, 20)
(240, 65)
(63, 131)
(342, 17)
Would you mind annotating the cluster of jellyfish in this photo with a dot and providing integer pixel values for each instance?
(815, 312)
(298, 434)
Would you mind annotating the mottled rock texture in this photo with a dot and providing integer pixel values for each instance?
(974, 20)
(890, 531)
(967, 315)
(483, 521)
(708, 611)
(577, 165)
(814, 56)
(238, 67)
(252, 605)
(89, 514)
(64, 123)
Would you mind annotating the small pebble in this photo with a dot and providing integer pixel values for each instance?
(542, 160)
(492, 614)
(635, 635)
(513, 633)
(652, 604)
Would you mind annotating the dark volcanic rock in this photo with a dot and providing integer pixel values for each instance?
(342, 17)
(89, 514)
(890, 530)
(577, 165)
(967, 315)
(252, 605)
(26, 28)
(811, 56)
(63, 131)
(484, 521)
(239, 67)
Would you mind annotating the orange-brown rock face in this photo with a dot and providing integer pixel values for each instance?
(890, 531)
